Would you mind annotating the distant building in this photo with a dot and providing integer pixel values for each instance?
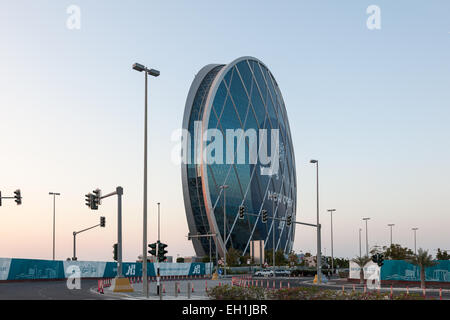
(193, 259)
(149, 258)
(242, 96)
(310, 261)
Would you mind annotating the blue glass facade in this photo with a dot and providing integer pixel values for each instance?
(241, 95)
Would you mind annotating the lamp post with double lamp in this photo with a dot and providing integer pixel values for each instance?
(319, 255)
(367, 237)
(54, 194)
(332, 255)
(224, 188)
(415, 243)
(391, 225)
(154, 73)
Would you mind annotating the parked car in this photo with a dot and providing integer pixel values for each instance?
(282, 273)
(264, 273)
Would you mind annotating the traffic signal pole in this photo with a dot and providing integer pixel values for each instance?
(75, 237)
(210, 236)
(119, 193)
(318, 226)
(157, 264)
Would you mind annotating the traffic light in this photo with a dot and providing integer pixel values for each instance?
(264, 215)
(89, 199)
(152, 246)
(241, 212)
(116, 252)
(162, 252)
(18, 197)
(96, 198)
(289, 220)
(380, 260)
(102, 222)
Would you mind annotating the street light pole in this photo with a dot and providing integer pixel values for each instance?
(360, 242)
(415, 243)
(159, 238)
(367, 237)
(154, 73)
(319, 254)
(332, 255)
(54, 194)
(224, 187)
(274, 199)
(391, 225)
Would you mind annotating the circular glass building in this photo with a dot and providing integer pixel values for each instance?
(237, 151)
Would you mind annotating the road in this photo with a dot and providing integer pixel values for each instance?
(47, 290)
(57, 290)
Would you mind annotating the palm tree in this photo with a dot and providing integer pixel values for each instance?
(423, 260)
(361, 262)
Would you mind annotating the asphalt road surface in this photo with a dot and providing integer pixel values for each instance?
(47, 290)
(57, 290)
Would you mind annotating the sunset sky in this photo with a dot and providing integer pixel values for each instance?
(373, 106)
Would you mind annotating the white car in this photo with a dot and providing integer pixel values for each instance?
(264, 273)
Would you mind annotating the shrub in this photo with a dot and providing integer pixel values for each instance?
(228, 292)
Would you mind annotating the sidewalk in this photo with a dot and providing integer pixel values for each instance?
(338, 283)
(199, 293)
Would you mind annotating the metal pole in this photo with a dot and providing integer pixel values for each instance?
(332, 255)
(367, 241)
(157, 252)
(415, 243)
(319, 244)
(159, 238)
(391, 225)
(274, 199)
(391, 236)
(360, 242)
(367, 237)
(144, 238)
(54, 194)
(224, 231)
(74, 246)
(54, 203)
(210, 260)
(119, 231)
(217, 253)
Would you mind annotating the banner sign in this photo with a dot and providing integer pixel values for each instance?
(403, 271)
(370, 270)
(33, 269)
